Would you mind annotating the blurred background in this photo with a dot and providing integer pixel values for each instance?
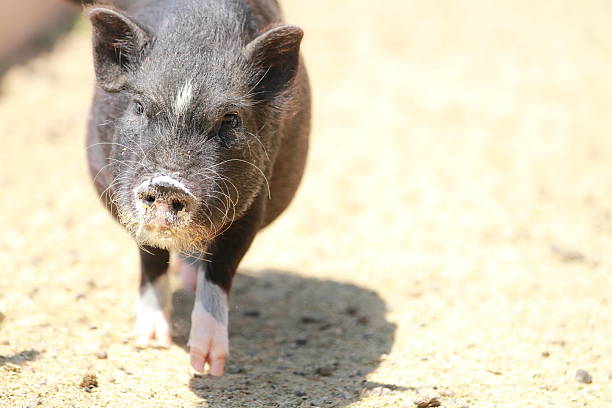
(451, 239)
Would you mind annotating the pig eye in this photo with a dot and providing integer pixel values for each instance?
(138, 108)
(231, 121)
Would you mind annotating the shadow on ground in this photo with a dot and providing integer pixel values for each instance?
(295, 342)
(20, 357)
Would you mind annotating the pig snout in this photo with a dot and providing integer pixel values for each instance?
(165, 200)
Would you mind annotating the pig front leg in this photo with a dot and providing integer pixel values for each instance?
(188, 268)
(153, 304)
(208, 339)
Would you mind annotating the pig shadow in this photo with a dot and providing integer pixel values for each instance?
(295, 342)
(19, 358)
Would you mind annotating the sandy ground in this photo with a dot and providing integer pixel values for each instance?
(451, 239)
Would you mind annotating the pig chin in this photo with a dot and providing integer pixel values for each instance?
(150, 225)
(177, 232)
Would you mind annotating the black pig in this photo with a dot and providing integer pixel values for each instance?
(197, 139)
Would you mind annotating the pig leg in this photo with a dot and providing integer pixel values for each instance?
(153, 305)
(188, 268)
(208, 339)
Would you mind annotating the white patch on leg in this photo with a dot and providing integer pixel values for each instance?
(183, 98)
(152, 313)
(208, 339)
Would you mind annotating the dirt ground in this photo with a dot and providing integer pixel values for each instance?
(452, 238)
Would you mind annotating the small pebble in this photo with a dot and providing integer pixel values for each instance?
(236, 370)
(101, 354)
(428, 397)
(34, 403)
(325, 371)
(363, 320)
(299, 394)
(251, 313)
(301, 341)
(568, 254)
(584, 377)
(426, 401)
(351, 310)
(309, 319)
(89, 381)
(325, 326)
(545, 354)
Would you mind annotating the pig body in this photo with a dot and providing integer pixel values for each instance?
(197, 139)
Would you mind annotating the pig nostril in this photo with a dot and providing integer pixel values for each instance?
(149, 199)
(177, 205)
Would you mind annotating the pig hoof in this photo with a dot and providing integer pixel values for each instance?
(152, 327)
(208, 343)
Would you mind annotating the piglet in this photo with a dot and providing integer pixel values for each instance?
(197, 139)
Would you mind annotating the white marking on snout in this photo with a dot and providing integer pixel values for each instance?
(142, 186)
(173, 182)
(183, 98)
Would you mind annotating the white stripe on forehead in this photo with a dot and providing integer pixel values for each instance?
(183, 98)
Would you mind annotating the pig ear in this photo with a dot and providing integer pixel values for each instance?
(275, 54)
(118, 43)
